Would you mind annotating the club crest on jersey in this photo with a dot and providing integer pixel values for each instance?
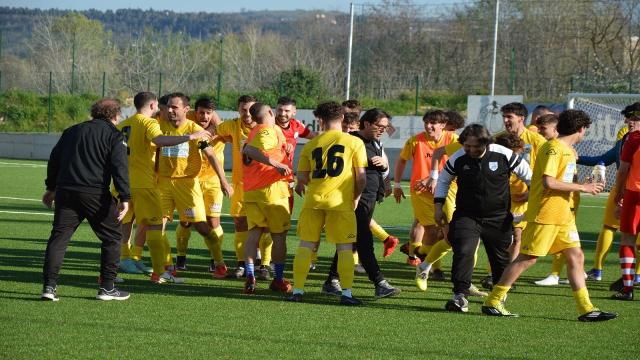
(493, 165)
(295, 135)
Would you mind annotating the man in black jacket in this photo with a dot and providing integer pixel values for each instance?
(483, 204)
(80, 169)
(372, 125)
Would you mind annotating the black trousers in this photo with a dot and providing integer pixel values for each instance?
(71, 208)
(363, 244)
(464, 234)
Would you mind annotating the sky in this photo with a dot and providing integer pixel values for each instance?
(200, 5)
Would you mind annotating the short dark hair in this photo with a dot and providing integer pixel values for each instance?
(163, 100)
(353, 105)
(454, 119)
(547, 119)
(205, 102)
(510, 141)
(329, 111)
(350, 118)
(256, 112)
(515, 108)
(571, 121)
(631, 110)
(246, 99)
(143, 98)
(185, 99)
(372, 116)
(105, 109)
(283, 100)
(435, 116)
(541, 109)
(478, 131)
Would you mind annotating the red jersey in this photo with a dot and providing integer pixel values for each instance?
(295, 130)
(631, 155)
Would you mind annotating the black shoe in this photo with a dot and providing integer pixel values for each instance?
(181, 263)
(384, 289)
(349, 301)
(295, 298)
(437, 275)
(624, 296)
(113, 294)
(617, 285)
(49, 293)
(597, 315)
(459, 303)
(332, 287)
(487, 282)
(263, 273)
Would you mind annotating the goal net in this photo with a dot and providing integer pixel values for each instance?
(606, 121)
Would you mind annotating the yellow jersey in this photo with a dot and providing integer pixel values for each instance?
(138, 131)
(622, 132)
(548, 206)
(517, 187)
(238, 132)
(206, 171)
(532, 143)
(330, 159)
(450, 149)
(182, 160)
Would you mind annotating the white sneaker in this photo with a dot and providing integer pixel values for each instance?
(360, 269)
(474, 291)
(167, 277)
(550, 280)
(118, 280)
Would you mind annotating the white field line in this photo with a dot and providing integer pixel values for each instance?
(22, 164)
(19, 199)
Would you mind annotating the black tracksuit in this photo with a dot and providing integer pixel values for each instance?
(483, 209)
(83, 162)
(372, 193)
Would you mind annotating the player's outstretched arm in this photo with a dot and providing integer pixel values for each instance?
(217, 167)
(257, 155)
(175, 140)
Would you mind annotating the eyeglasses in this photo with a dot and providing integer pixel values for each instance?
(381, 127)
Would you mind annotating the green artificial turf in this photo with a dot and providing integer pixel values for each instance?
(207, 318)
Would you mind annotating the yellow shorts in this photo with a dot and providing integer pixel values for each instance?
(212, 194)
(610, 219)
(182, 194)
(339, 226)
(423, 208)
(273, 215)
(145, 207)
(542, 239)
(450, 204)
(237, 200)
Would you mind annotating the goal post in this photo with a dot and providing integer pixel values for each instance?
(606, 121)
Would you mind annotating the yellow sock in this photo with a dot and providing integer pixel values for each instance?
(356, 258)
(496, 295)
(241, 237)
(168, 260)
(424, 249)
(125, 250)
(345, 268)
(301, 266)
(156, 250)
(583, 303)
(182, 239)
(605, 239)
(438, 251)
(265, 244)
(637, 255)
(217, 245)
(210, 240)
(379, 232)
(314, 257)
(136, 253)
(557, 264)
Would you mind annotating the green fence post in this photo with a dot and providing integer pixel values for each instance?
(104, 82)
(220, 65)
(417, 93)
(512, 75)
(50, 100)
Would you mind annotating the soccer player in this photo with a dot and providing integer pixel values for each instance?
(550, 226)
(482, 210)
(419, 149)
(266, 194)
(206, 116)
(373, 124)
(178, 169)
(627, 188)
(351, 122)
(331, 171)
(236, 132)
(514, 116)
(143, 134)
(537, 112)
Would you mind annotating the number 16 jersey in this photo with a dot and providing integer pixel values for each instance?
(330, 159)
